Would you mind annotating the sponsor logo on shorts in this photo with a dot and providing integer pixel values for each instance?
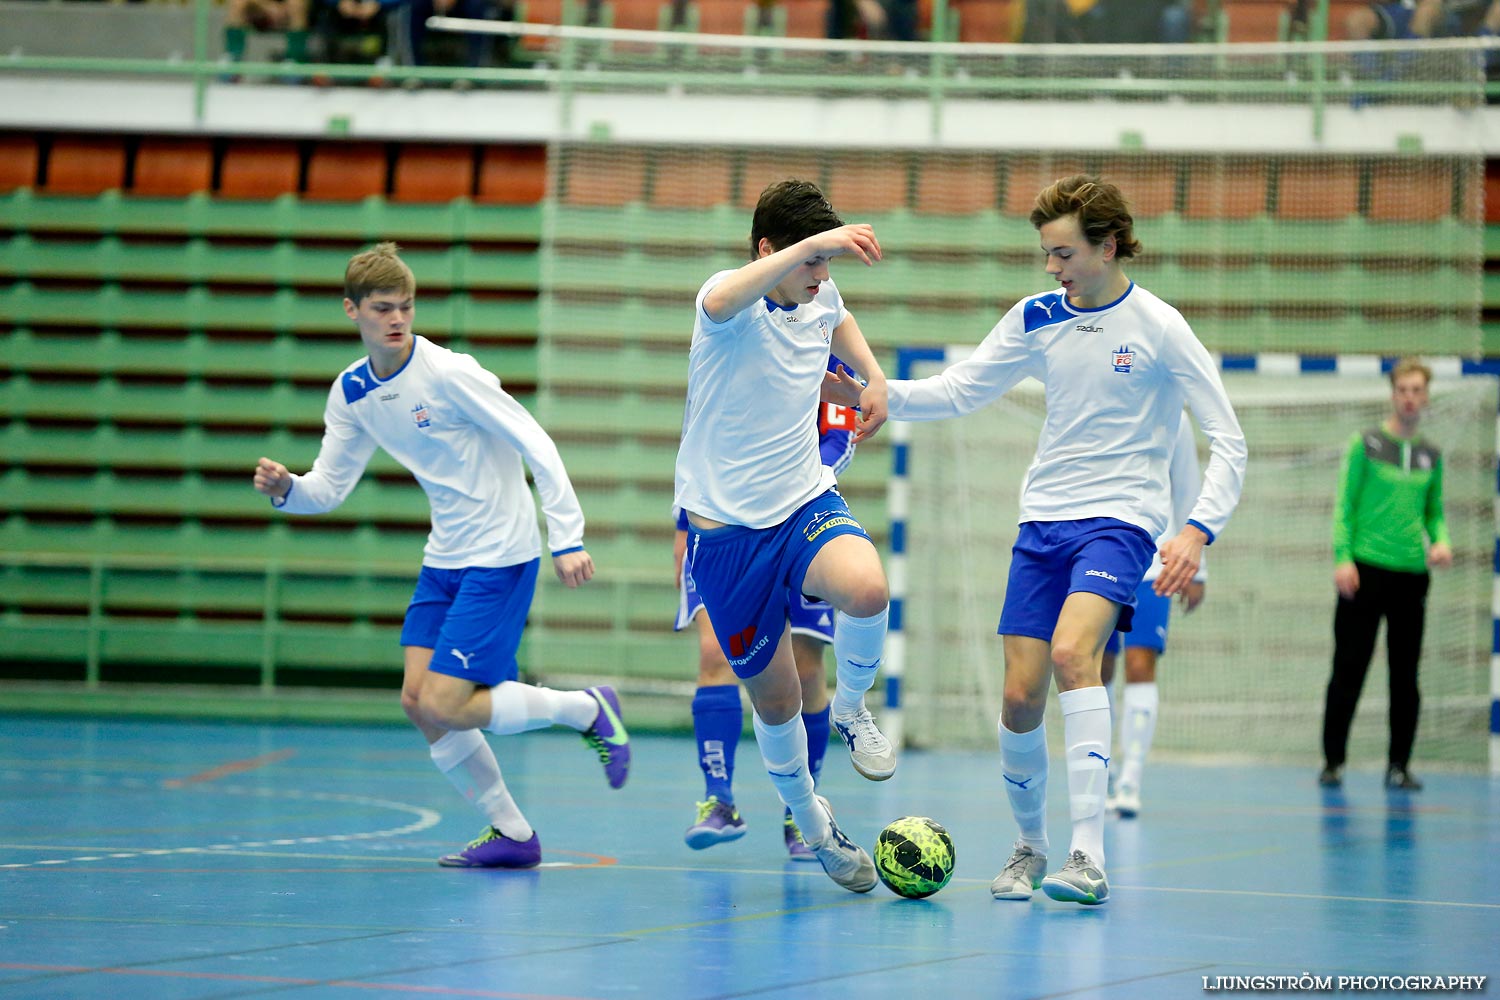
(1100, 573)
(823, 522)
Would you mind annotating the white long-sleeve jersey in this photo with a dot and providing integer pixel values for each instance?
(1116, 379)
(448, 421)
(749, 452)
(1187, 481)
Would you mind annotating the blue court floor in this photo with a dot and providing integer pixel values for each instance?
(181, 861)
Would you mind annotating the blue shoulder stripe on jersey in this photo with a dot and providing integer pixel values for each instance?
(358, 383)
(1045, 310)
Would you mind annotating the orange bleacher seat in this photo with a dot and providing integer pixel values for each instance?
(806, 18)
(346, 171)
(85, 165)
(692, 180)
(636, 15)
(1254, 20)
(1150, 188)
(1225, 190)
(433, 173)
(984, 20)
(540, 12)
(955, 184)
(1308, 190)
(1404, 192)
(512, 175)
(1027, 174)
(259, 169)
(764, 169)
(605, 177)
(722, 17)
(173, 168)
(18, 161)
(859, 183)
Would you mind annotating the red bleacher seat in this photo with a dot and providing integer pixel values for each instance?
(512, 175)
(1317, 190)
(692, 180)
(433, 173)
(173, 168)
(18, 161)
(85, 165)
(259, 169)
(346, 171)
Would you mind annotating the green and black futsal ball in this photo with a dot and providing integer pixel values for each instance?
(914, 856)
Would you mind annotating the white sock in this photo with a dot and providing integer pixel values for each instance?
(466, 760)
(1136, 731)
(516, 708)
(1023, 762)
(1086, 736)
(784, 750)
(857, 646)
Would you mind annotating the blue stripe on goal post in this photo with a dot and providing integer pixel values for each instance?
(1313, 365)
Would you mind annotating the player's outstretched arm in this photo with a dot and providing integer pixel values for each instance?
(272, 479)
(746, 286)
(574, 568)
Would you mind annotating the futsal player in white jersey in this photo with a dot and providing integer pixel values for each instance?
(1118, 364)
(766, 523)
(718, 717)
(1146, 642)
(465, 439)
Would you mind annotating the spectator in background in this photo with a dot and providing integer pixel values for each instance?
(243, 16)
(355, 31)
(886, 20)
(417, 48)
(1074, 22)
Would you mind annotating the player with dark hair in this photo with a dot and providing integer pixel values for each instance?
(766, 523)
(718, 716)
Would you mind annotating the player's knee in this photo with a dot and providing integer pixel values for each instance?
(411, 703)
(867, 599)
(438, 706)
(714, 670)
(1022, 710)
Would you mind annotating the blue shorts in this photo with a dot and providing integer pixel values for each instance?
(748, 578)
(472, 619)
(1052, 559)
(808, 617)
(1149, 627)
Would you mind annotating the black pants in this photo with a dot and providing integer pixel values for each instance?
(1401, 598)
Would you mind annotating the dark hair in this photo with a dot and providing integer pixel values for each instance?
(789, 212)
(1099, 207)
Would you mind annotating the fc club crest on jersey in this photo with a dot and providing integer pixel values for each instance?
(1124, 358)
(420, 416)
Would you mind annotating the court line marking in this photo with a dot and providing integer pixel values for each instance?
(281, 980)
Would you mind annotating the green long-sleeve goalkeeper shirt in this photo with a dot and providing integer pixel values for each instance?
(1390, 494)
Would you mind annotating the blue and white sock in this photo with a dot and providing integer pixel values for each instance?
(1023, 763)
(857, 646)
(1086, 734)
(784, 749)
(818, 730)
(718, 718)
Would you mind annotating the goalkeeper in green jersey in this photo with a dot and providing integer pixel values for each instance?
(1388, 528)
